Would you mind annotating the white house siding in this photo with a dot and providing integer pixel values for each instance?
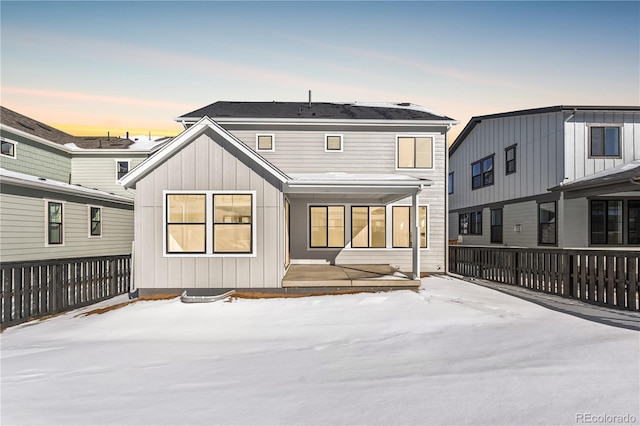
(539, 158)
(99, 171)
(207, 163)
(37, 159)
(23, 229)
(577, 163)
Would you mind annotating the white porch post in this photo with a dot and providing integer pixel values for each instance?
(415, 237)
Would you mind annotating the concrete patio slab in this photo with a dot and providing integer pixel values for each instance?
(346, 276)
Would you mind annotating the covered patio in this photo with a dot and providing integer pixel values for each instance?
(347, 276)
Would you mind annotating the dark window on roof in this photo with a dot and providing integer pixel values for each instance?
(510, 160)
(604, 141)
(25, 125)
(482, 172)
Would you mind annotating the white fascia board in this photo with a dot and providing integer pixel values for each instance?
(79, 191)
(125, 151)
(36, 138)
(187, 136)
(327, 122)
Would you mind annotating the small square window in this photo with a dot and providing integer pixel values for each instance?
(122, 168)
(510, 160)
(265, 142)
(604, 141)
(333, 143)
(8, 148)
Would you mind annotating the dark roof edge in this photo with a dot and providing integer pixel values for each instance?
(474, 121)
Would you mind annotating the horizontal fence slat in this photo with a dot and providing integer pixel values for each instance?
(35, 289)
(604, 277)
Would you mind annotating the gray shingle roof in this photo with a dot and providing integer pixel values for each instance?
(29, 125)
(318, 110)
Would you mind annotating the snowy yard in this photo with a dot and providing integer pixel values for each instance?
(454, 353)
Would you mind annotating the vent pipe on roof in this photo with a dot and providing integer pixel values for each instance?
(127, 135)
(108, 136)
(309, 99)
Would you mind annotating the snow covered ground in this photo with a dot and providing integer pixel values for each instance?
(454, 353)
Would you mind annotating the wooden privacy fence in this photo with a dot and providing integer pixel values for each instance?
(609, 278)
(38, 288)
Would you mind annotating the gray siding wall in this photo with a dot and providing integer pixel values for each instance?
(574, 229)
(99, 171)
(578, 164)
(207, 163)
(36, 159)
(539, 159)
(22, 225)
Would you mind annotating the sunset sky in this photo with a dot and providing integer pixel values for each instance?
(92, 67)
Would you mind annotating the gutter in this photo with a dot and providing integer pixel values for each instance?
(319, 121)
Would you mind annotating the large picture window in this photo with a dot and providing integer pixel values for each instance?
(604, 141)
(415, 152)
(55, 219)
(186, 229)
(368, 227)
(496, 225)
(402, 217)
(547, 230)
(326, 226)
(482, 173)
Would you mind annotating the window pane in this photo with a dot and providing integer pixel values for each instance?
(8, 149)
(318, 226)
(336, 226)
(265, 142)
(55, 213)
(476, 223)
(634, 222)
(185, 238)
(547, 225)
(423, 153)
(359, 226)
(232, 238)
(377, 226)
(405, 153)
(401, 227)
(186, 208)
(488, 171)
(96, 228)
(597, 141)
(612, 145)
(598, 222)
(55, 233)
(334, 143)
(232, 208)
(423, 226)
(464, 224)
(511, 154)
(476, 169)
(614, 222)
(123, 168)
(496, 226)
(451, 183)
(95, 214)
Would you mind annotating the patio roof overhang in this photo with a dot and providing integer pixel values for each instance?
(383, 188)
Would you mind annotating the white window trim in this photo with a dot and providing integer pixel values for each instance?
(605, 157)
(326, 142)
(273, 142)
(209, 223)
(390, 231)
(89, 207)
(15, 148)
(122, 160)
(46, 222)
(417, 135)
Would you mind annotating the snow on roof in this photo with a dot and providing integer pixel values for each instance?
(611, 172)
(30, 180)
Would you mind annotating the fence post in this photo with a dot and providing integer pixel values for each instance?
(113, 277)
(516, 267)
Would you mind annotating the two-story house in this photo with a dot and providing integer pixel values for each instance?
(251, 190)
(562, 176)
(59, 196)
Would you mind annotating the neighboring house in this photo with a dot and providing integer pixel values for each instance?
(59, 196)
(252, 187)
(556, 177)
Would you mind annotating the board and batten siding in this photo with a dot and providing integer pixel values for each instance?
(539, 158)
(36, 159)
(23, 229)
(577, 163)
(99, 171)
(208, 163)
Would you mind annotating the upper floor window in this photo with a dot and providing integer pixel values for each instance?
(8, 148)
(265, 142)
(415, 152)
(450, 183)
(482, 172)
(368, 227)
(547, 229)
(122, 168)
(333, 143)
(510, 160)
(326, 226)
(95, 221)
(54, 223)
(604, 141)
(403, 226)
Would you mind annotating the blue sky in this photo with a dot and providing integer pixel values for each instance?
(90, 66)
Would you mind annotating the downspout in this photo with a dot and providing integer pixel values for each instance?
(446, 200)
